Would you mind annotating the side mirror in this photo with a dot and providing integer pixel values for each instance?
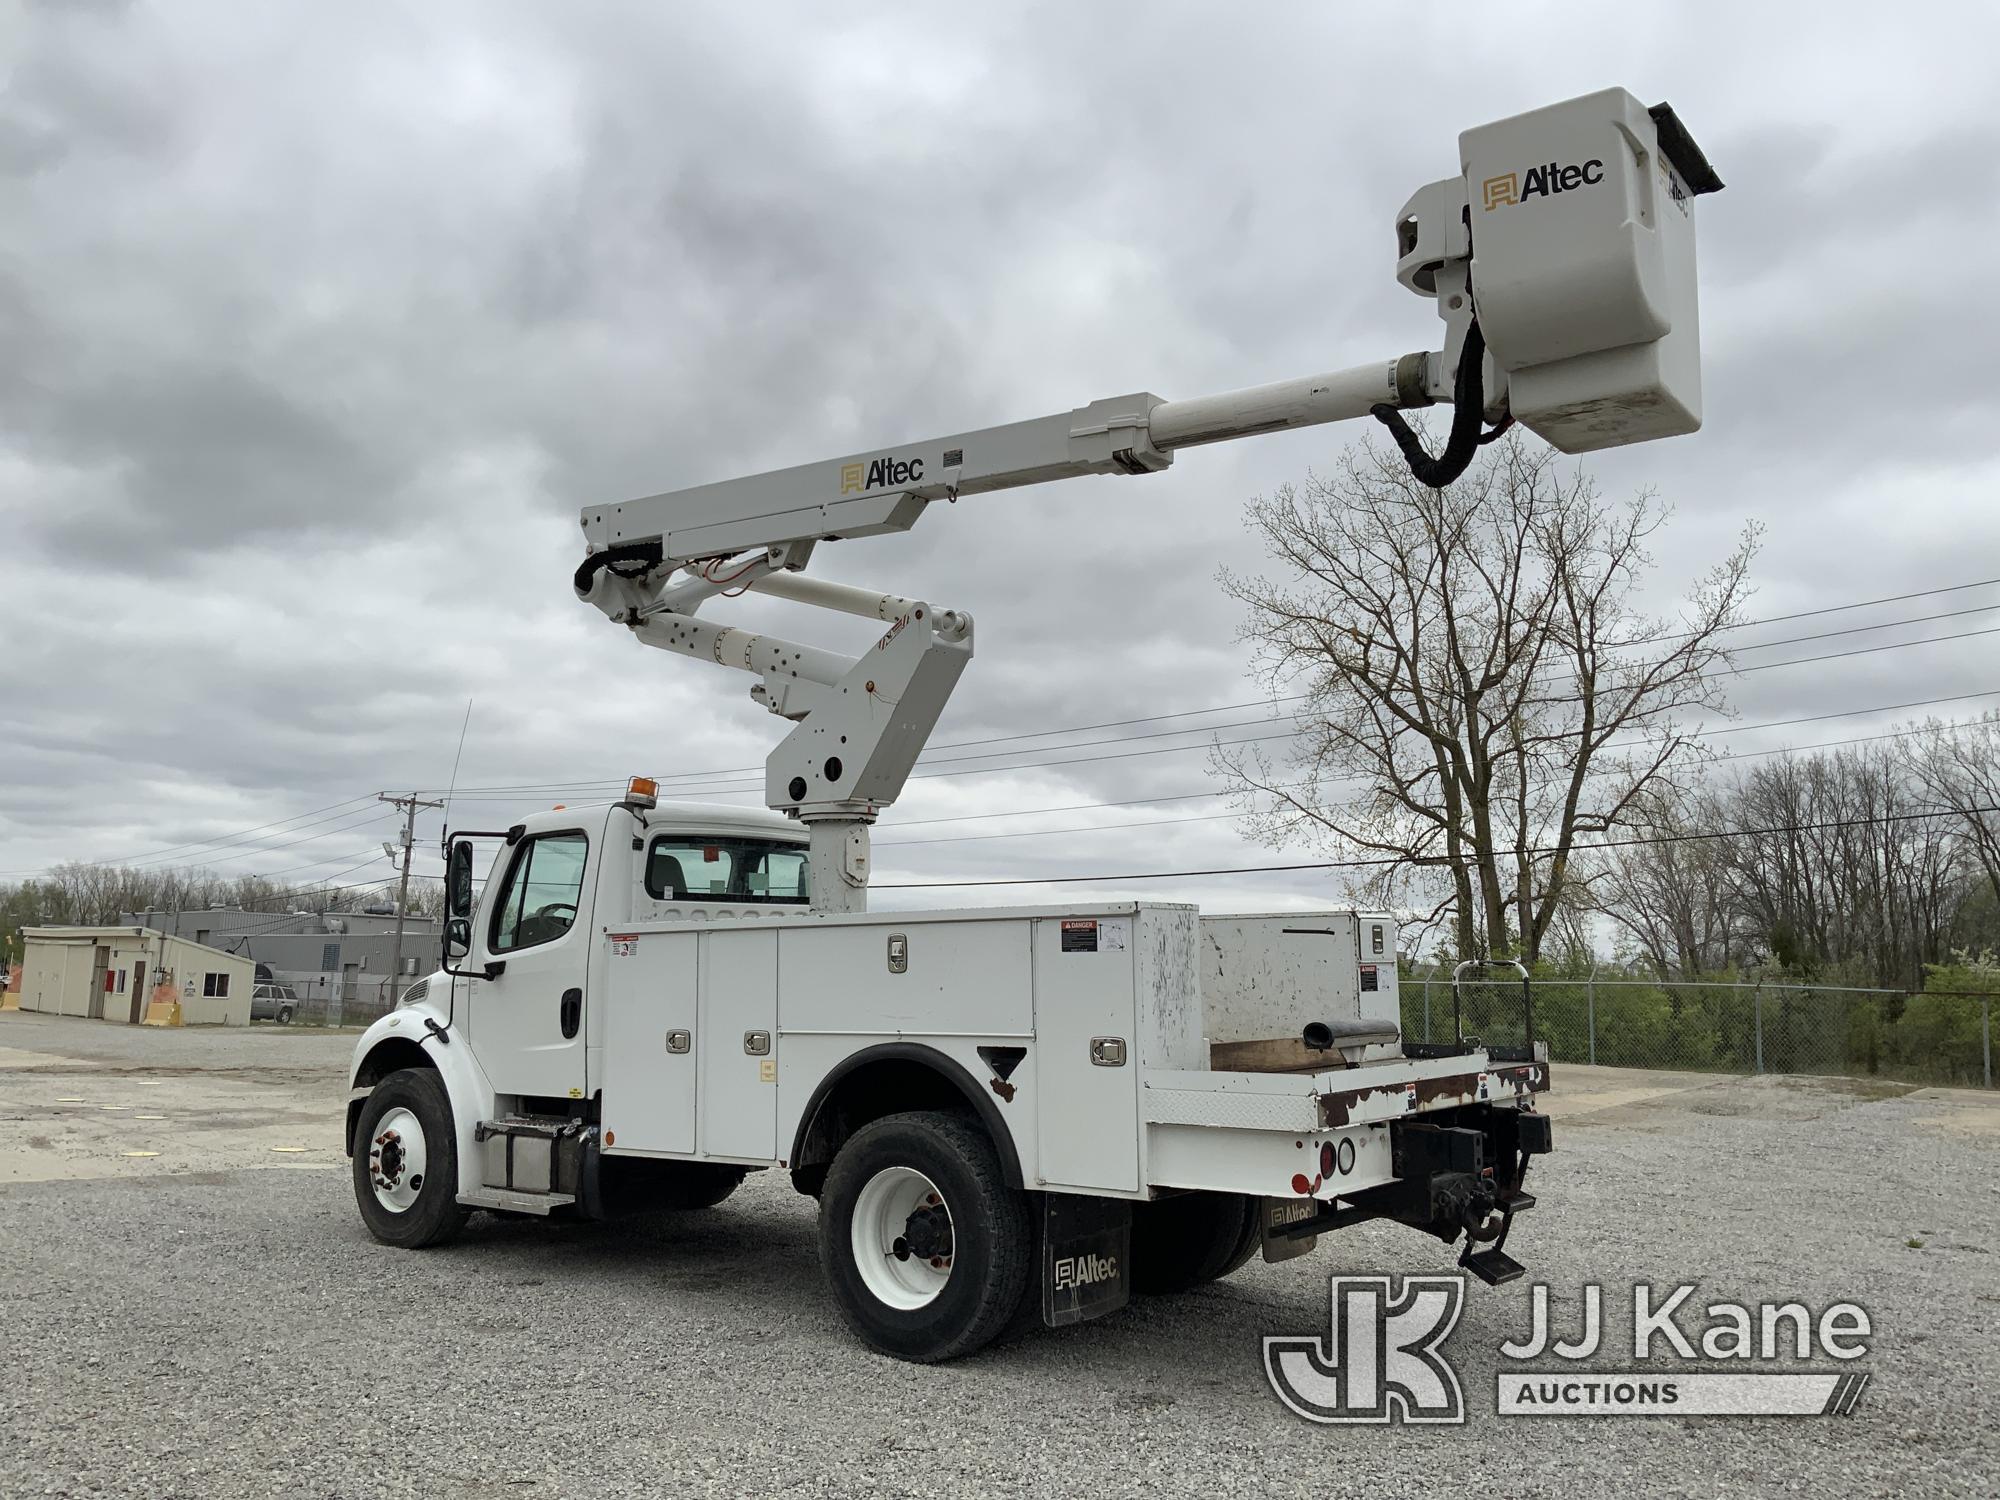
(458, 881)
(457, 939)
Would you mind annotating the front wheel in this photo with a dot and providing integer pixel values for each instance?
(927, 1251)
(406, 1162)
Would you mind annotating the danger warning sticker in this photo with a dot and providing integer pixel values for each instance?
(1079, 935)
(1096, 935)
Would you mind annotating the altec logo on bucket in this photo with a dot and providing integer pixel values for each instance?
(1539, 182)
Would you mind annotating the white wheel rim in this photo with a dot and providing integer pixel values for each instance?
(881, 1238)
(397, 1160)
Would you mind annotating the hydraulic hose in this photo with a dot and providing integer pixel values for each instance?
(1468, 399)
(632, 560)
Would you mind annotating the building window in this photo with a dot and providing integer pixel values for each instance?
(329, 956)
(215, 986)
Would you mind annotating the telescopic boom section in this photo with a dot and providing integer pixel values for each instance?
(1560, 259)
(866, 494)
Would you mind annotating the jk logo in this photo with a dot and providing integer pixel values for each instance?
(1381, 1363)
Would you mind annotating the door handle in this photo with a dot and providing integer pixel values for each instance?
(572, 1012)
(679, 1041)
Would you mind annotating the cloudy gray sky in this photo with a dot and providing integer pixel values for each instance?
(319, 324)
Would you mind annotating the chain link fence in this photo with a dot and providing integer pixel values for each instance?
(324, 1004)
(1716, 1026)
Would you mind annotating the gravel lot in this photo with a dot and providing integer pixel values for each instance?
(213, 1321)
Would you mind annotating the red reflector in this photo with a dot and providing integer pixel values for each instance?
(711, 854)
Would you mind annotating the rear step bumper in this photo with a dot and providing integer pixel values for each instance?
(1459, 1175)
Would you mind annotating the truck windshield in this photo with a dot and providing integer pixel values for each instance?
(680, 868)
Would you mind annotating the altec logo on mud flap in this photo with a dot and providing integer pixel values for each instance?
(1539, 182)
(1085, 1270)
(856, 479)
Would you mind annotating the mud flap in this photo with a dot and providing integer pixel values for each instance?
(1276, 1214)
(1086, 1247)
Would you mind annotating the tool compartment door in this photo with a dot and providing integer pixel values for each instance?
(651, 1043)
(739, 1004)
(1087, 1121)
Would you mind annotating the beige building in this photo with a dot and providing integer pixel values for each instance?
(111, 973)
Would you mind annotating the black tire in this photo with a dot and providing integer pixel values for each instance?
(284, 1015)
(1192, 1238)
(992, 1233)
(436, 1216)
(1250, 1244)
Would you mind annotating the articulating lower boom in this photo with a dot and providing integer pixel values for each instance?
(1561, 259)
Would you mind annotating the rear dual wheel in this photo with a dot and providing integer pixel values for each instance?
(927, 1251)
(1182, 1242)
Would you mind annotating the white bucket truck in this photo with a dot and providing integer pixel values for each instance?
(1014, 1111)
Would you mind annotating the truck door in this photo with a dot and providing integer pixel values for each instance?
(527, 1023)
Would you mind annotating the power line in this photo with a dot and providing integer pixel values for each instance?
(1028, 812)
(1361, 864)
(1272, 701)
(1723, 729)
(1834, 609)
(370, 819)
(528, 791)
(219, 839)
(336, 810)
(1805, 661)
(1080, 828)
(1827, 635)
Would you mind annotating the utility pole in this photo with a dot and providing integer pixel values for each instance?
(409, 805)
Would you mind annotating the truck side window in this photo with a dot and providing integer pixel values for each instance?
(544, 886)
(682, 868)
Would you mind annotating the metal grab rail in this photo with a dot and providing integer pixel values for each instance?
(1527, 999)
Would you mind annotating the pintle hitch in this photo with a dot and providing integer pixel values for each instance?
(1530, 1137)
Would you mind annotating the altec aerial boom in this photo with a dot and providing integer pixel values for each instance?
(1011, 1109)
(1560, 259)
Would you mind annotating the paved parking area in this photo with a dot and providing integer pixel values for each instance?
(211, 1320)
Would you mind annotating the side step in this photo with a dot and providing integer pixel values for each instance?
(528, 1164)
(509, 1201)
(1490, 1266)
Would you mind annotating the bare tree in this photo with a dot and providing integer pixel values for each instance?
(1673, 898)
(76, 893)
(1481, 691)
(1958, 766)
(1838, 869)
